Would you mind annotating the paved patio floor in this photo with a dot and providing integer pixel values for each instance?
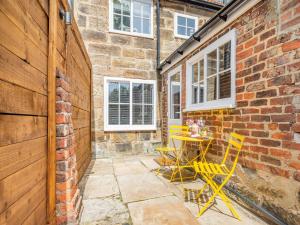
(123, 191)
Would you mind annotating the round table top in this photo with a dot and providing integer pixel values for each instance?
(189, 138)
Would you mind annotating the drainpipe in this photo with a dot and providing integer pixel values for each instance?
(157, 34)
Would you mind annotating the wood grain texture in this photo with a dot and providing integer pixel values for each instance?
(21, 100)
(18, 184)
(16, 128)
(17, 71)
(17, 213)
(52, 65)
(17, 156)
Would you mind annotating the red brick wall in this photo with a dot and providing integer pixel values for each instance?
(268, 105)
(68, 198)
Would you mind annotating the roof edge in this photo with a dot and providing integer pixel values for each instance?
(196, 37)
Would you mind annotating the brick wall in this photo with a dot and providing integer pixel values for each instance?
(268, 106)
(68, 198)
(118, 55)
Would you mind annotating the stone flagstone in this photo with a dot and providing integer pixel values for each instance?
(100, 186)
(136, 187)
(161, 211)
(129, 167)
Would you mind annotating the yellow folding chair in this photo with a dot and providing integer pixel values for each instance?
(164, 151)
(210, 170)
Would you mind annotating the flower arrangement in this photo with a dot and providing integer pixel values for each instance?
(197, 127)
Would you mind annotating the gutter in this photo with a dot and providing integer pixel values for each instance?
(204, 4)
(220, 15)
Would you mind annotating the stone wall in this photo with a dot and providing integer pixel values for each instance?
(267, 112)
(127, 56)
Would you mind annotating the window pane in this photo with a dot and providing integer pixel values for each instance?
(224, 54)
(190, 22)
(147, 11)
(194, 94)
(212, 63)
(126, 7)
(113, 92)
(195, 73)
(117, 22)
(148, 93)
(176, 94)
(124, 114)
(201, 77)
(201, 92)
(137, 9)
(146, 26)
(181, 30)
(211, 88)
(137, 114)
(181, 21)
(137, 93)
(124, 93)
(113, 114)
(137, 24)
(190, 31)
(176, 111)
(148, 114)
(126, 23)
(117, 6)
(225, 84)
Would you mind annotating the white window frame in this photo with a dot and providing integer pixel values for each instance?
(111, 21)
(175, 24)
(219, 103)
(126, 127)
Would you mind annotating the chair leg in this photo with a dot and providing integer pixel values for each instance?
(217, 189)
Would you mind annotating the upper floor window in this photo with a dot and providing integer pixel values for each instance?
(129, 104)
(184, 25)
(211, 75)
(131, 17)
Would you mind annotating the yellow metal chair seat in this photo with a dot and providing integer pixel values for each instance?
(211, 168)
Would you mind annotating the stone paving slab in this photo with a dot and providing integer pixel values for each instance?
(137, 187)
(220, 214)
(129, 167)
(108, 211)
(161, 211)
(101, 167)
(100, 186)
(150, 164)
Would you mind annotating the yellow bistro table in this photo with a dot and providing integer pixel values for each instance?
(181, 152)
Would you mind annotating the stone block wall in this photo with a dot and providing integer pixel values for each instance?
(68, 198)
(268, 106)
(118, 55)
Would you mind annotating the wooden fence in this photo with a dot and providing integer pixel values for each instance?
(34, 43)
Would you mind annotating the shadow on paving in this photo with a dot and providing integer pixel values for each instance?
(125, 191)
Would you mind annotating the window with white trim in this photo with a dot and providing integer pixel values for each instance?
(131, 17)
(211, 75)
(184, 25)
(130, 104)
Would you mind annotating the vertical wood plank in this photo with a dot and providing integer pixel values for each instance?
(51, 167)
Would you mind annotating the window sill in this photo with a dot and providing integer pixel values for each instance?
(209, 106)
(181, 36)
(149, 36)
(130, 128)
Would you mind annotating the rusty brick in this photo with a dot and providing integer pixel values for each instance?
(259, 102)
(266, 94)
(270, 143)
(271, 160)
